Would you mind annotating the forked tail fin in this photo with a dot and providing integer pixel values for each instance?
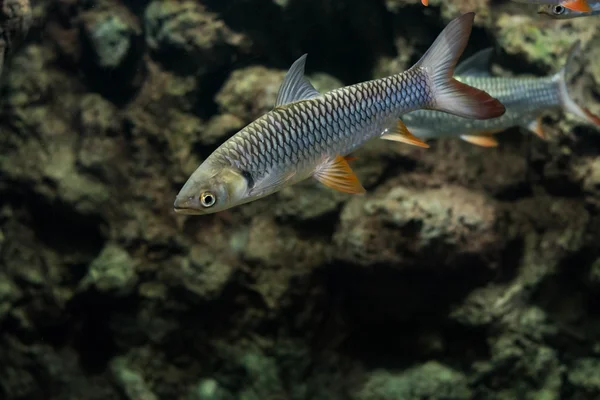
(567, 102)
(439, 61)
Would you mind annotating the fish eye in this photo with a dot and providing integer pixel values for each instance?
(207, 199)
(558, 10)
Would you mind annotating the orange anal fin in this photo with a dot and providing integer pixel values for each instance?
(483, 141)
(400, 133)
(594, 119)
(535, 126)
(577, 5)
(338, 175)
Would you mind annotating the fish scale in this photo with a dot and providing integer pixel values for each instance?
(346, 123)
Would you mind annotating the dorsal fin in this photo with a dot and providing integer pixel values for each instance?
(295, 86)
(476, 65)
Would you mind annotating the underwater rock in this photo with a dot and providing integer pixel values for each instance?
(27, 83)
(131, 382)
(9, 293)
(99, 144)
(594, 274)
(587, 171)
(428, 381)
(16, 18)
(203, 274)
(208, 389)
(585, 375)
(113, 272)
(532, 368)
(308, 201)
(221, 127)
(263, 377)
(112, 51)
(250, 92)
(38, 147)
(111, 38)
(185, 30)
(272, 248)
(433, 227)
(539, 42)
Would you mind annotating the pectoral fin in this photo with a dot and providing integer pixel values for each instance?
(400, 133)
(337, 174)
(483, 141)
(535, 126)
(271, 182)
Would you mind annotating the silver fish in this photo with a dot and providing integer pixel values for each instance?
(308, 134)
(558, 11)
(524, 98)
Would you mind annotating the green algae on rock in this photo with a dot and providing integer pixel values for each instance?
(428, 381)
(185, 30)
(113, 271)
(585, 374)
(445, 220)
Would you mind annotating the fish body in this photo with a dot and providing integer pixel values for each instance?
(525, 99)
(558, 11)
(309, 134)
(575, 5)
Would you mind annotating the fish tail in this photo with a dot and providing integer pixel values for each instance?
(450, 95)
(566, 101)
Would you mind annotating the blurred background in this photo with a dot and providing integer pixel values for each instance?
(463, 273)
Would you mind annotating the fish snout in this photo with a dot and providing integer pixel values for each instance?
(187, 205)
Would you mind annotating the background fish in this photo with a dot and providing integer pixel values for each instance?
(524, 98)
(575, 5)
(308, 133)
(558, 11)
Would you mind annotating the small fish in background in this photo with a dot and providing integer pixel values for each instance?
(558, 11)
(524, 98)
(16, 19)
(309, 134)
(575, 5)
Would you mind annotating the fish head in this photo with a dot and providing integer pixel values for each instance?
(211, 189)
(556, 11)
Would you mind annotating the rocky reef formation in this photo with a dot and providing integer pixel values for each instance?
(463, 273)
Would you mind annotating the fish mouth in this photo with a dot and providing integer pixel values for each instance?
(186, 211)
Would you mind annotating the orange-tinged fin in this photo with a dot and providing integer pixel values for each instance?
(535, 126)
(577, 5)
(483, 141)
(400, 133)
(425, 2)
(594, 119)
(439, 62)
(338, 175)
